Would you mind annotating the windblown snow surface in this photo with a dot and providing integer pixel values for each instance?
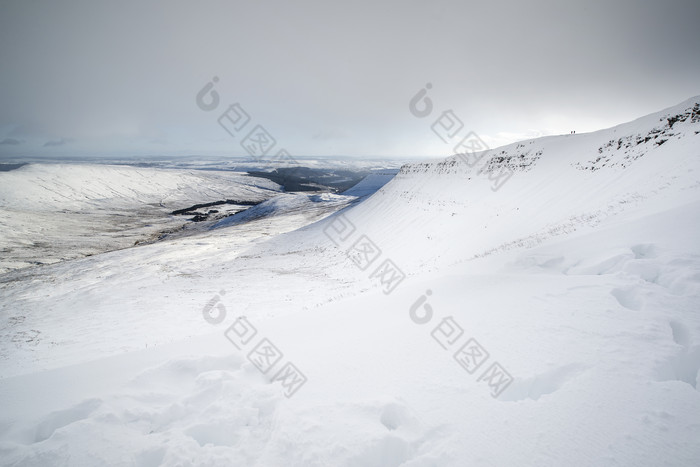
(554, 321)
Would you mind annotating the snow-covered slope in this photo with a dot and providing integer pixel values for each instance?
(558, 184)
(53, 212)
(75, 187)
(371, 183)
(553, 321)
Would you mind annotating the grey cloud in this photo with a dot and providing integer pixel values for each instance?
(113, 74)
(59, 142)
(10, 141)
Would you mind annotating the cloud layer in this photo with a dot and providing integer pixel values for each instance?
(321, 77)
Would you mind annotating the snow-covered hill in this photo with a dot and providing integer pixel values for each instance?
(557, 185)
(371, 183)
(451, 318)
(77, 187)
(53, 212)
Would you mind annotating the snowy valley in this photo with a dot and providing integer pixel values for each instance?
(433, 317)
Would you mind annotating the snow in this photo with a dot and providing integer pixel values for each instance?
(53, 212)
(581, 280)
(371, 183)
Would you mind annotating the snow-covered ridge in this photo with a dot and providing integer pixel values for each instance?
(617, 146)
(371, 183)
(82, 186)
(54, 212)
(453, 205)
(673, 123)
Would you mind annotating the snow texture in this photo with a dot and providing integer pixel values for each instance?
(553, 321)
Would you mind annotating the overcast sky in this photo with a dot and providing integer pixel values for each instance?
(331, 78)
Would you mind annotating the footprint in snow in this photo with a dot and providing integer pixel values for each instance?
(630, 298)
(685, 365)
(542, 384)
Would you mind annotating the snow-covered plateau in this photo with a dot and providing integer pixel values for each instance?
(445, 318)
